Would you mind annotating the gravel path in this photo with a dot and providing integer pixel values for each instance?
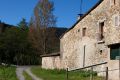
(19, 72)
(32, 75)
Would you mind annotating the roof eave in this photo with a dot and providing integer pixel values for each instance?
(98, 3)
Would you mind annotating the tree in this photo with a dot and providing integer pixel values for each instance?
(15, 47)
(42, 20)
(23, 24)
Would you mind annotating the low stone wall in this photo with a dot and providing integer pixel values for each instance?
(52, 62)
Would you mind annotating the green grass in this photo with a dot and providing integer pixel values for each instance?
(27, 77)
(8, 73)
(61, 74)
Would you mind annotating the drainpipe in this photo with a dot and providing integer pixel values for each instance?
(84, 56)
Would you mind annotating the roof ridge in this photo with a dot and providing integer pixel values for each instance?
(95, 6)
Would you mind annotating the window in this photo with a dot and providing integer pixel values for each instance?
(78, 30)
(114, 1)
(101, 30)
(101, 51)
(116, 20)
(84, 32)
(115, 52)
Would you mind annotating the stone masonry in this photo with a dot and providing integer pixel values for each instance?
(88, 41)
(76, 45)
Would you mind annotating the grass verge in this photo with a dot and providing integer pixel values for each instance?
(8, 73)
(61, 74)
(27, 77)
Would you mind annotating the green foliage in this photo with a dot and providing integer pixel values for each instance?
(47, 74)
(7, 73)
(27, 77)
(15, 47)
(83, 73)
(23, 24)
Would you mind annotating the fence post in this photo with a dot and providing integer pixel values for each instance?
(67, 73)
(106, 73)
(91, 76)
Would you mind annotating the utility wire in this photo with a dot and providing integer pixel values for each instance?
(81, 4)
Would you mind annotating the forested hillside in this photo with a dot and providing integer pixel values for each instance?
(16, 48)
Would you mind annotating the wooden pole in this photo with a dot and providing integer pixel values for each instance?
(91, 73)
(67, 73)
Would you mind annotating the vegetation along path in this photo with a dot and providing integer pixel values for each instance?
(21, 69)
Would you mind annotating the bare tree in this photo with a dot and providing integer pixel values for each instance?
(43, 19)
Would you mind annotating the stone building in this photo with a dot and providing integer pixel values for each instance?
(51, 61)
(93, 39)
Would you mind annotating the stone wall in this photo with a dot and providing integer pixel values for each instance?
(79, 51)
(53, 62)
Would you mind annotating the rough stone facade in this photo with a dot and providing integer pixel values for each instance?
(53, 62)
(78, 51)
(88, 41)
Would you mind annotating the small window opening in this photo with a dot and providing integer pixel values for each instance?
(78, 30)
(114, 1)
(116, 20)
(101, 52)
(84, 32)
(101, 30)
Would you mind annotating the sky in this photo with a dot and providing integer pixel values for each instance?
(66, 11)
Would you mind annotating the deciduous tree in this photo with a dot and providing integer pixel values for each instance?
(42, 20)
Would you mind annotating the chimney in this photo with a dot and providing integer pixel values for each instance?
(79, 16)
